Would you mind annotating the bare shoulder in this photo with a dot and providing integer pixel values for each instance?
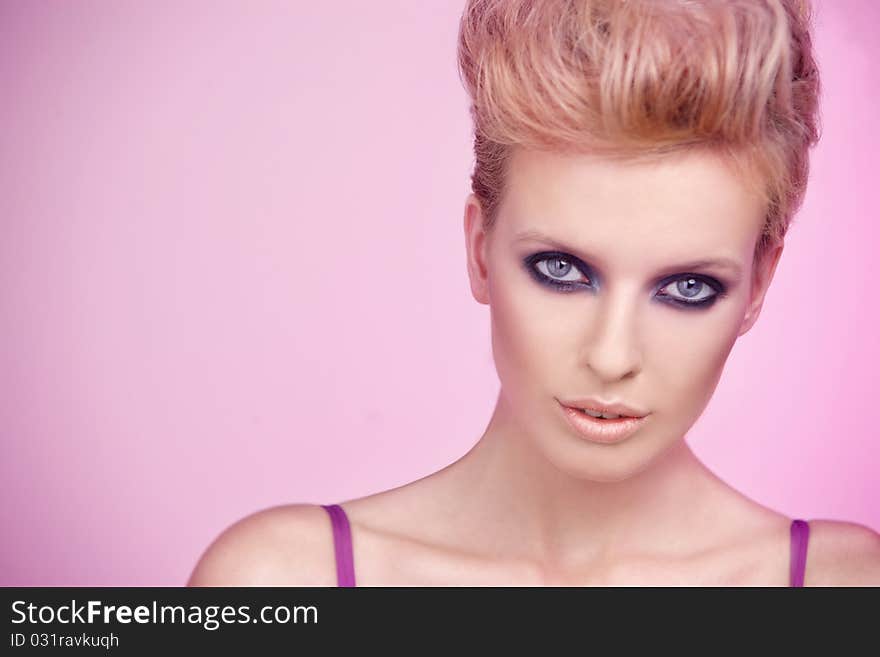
(289, 545)
(842, 554)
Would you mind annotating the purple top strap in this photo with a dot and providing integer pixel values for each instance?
(341, 544)
(800, 536)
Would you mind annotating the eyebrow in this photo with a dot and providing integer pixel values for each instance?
(718, 263)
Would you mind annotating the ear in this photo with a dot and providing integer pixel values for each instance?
(761, 279)
(476, 241)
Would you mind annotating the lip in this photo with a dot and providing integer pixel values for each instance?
(607, 432)
(602, 406)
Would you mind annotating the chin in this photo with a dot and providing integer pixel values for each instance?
(603, 473)
(607, 463)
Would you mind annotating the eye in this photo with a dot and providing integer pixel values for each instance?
(690, 290)
(559, 269)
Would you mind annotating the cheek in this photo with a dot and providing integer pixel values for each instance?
(528, 336)
(687, 355)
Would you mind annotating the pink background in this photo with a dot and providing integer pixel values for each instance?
(232, 275)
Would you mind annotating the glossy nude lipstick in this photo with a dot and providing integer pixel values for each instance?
(601, 430)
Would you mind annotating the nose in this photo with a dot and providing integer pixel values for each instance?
(612, 350)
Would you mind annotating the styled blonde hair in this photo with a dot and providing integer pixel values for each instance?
(635, 80)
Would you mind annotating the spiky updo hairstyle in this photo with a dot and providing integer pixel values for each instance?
(636, 80)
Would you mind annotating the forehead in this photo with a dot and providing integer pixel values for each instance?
(684, 206)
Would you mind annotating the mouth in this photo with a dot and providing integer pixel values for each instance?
(605, 409)
(603, 416)
(606, 430)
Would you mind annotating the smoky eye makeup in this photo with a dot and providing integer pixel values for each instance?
(559, 271)
(565, 273)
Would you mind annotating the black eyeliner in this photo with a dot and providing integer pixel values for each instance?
(719, 287)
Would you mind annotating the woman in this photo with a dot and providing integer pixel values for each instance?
(637, 167)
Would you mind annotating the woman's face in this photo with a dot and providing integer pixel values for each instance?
(588, 272)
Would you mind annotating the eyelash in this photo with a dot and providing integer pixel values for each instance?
(571, 286)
